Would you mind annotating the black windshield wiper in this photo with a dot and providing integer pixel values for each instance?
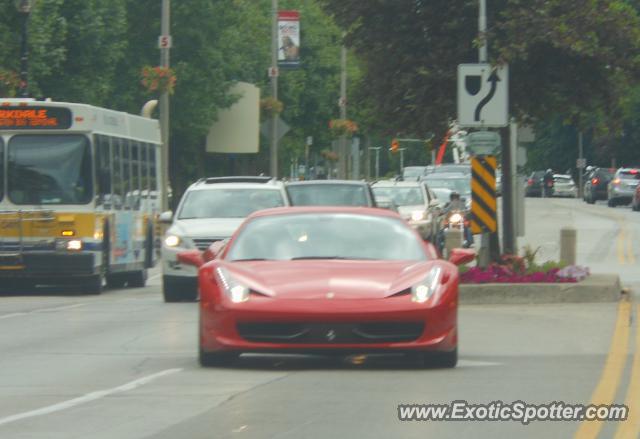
(250, 259)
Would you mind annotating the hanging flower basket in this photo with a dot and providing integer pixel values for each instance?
(329, 155)
(271, 106)
(158, 79)
(342, 127)
(9, 83)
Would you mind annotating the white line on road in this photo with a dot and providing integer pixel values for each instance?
(86, 398)
(155, 276)
(35, 311)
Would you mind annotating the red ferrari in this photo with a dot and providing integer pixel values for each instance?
(327, 279)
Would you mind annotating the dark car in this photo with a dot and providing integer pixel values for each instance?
(635, 203)
(330, 193)
(623, 186)
(534, 184)
(595, 186)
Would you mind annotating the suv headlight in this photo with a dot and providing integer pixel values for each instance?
(172, 241)
(233, 289)
(423, 291)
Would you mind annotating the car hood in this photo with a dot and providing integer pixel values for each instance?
(315, 279)
(205, 227)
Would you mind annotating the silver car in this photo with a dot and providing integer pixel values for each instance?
(564, 186)
(210, 210)
(415, 203)
(623, 186)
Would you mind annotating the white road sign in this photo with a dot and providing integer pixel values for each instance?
(483, 95)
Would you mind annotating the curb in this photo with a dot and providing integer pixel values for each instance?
(595, 288)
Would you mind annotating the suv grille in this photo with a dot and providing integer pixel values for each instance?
(204, 243)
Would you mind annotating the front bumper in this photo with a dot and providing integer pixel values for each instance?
(171, 266)
(47, 264)
(289, 325)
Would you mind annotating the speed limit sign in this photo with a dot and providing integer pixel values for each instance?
(165, 42)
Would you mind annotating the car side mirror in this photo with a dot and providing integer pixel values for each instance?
(191, 257)
(166, 217)
(461, 256)
(214, 250)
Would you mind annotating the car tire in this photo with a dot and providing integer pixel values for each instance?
(137, 279)
(175, 292)
(93, 285)
(216, 359)
(441, 359)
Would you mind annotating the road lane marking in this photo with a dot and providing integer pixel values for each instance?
(620, 242)
(154, 276)
(630, 255)
(86, 398)
(631, 427)
(42, 310)
(605, 391)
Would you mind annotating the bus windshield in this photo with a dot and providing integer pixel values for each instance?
(49, 169)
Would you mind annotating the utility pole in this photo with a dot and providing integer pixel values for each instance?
(377, 150)
(581, 166)
(273, 153)
(342, 150)
(165, 45)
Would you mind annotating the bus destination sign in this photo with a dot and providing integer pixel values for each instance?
(35, 118)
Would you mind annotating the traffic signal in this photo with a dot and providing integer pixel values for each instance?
(395, 145)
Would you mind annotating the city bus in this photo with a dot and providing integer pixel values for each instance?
(78, 195)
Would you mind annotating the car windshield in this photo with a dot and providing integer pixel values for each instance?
(50, 169)
(328, 195)
(460, 185)
(441, 193)
(326, 236)
(401, 195)
(228, 203)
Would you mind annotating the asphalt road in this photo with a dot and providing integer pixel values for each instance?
(123, 364)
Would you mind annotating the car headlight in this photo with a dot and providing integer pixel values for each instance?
(172, 241)
(233, 289)
(423, 291)
(417, 215)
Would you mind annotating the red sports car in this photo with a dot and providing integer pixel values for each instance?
(327, 279)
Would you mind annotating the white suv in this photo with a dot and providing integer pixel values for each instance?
(210, 210)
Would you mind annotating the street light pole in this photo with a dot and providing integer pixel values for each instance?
(273, 153)
(164, 105)
(24, 8)
(377, 150)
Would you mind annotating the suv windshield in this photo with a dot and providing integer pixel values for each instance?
(328, 195)
(50, 169)
(228, 203)
(460, 185)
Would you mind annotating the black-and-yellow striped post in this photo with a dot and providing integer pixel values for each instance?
(483, 194)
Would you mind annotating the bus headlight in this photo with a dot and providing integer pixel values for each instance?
(69, 244)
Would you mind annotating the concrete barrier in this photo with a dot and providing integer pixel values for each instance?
(595, 288)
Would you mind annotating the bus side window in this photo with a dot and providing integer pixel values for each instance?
(116, 196)
(103, 170)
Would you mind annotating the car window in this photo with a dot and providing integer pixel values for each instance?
(401, 195)
(228, 202)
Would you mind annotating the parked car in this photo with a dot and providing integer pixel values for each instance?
(564, 186)
(623, 186)
(210, 210)
(330, 193)
(535, 183)
(266, 290)
(595, 185)
(416, 204)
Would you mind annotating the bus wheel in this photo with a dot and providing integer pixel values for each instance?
(115, 281)
(138, 279)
